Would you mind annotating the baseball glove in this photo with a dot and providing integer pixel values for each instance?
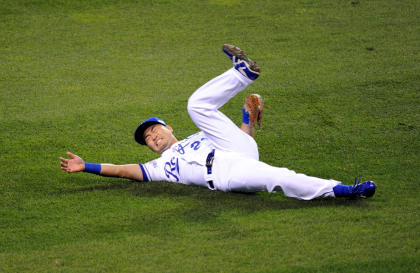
(254, 106)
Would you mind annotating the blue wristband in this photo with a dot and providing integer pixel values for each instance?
(245, 116)
(92, 168)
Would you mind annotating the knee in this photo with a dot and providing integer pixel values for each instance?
(192, 106)
(197, 107)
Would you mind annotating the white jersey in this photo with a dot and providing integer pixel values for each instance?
(184, 162)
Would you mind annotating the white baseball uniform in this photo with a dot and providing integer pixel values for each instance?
(236, 166)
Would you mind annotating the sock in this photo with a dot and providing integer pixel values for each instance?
(342, 190)
(245, 116)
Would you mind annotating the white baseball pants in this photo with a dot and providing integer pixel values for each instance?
(236, 165)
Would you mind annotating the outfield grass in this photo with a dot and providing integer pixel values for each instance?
(342, 79)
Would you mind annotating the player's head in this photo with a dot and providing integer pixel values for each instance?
(156, 134)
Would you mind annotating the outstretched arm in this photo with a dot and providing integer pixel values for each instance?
(76, 164)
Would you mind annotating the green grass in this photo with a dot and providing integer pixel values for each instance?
(342, 79)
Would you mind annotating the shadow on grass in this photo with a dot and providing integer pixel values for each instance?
(178, 204)
(248, 201)
(210, 205)
(217, 200)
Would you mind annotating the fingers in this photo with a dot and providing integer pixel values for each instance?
(71, 155)
(64, 164)
(63, 161)
(74, 164)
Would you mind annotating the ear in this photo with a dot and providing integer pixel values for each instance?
(170, 128)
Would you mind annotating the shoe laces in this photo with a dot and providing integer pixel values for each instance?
(356, 184)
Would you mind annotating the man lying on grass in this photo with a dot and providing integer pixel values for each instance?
(221, 156)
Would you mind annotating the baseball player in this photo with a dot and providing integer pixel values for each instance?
(221, 156)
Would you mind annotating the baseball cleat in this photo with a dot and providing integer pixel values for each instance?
(241, 62)
(254, 106)
(362, 190)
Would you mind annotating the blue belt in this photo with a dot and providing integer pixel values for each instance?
(209, 166)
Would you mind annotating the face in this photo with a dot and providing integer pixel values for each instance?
(159, 138)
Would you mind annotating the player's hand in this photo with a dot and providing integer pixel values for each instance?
(75, 164)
